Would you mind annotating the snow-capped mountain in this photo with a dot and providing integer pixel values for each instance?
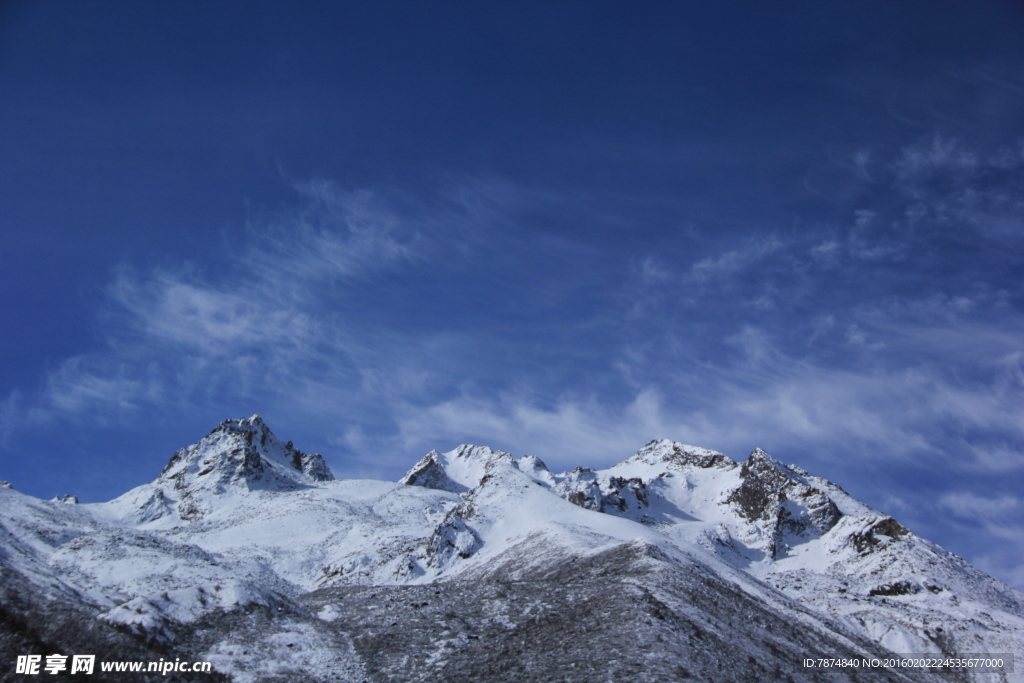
(678, 562)
(237, 457)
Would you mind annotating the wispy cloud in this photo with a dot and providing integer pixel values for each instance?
(733, 261)
(950, 186)
(972, 506)
(998, 518)
(572, 431)
(938, 156)
(298, 319)
(768, 398)
(214, 320)
(260, 320)
(335, 234)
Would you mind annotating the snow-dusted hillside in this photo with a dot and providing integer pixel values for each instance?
(481, 566)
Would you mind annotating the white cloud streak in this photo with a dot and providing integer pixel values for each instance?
(724, 265)
(972, 506)
(171, 334)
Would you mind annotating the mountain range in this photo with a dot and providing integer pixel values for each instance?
(677, 564)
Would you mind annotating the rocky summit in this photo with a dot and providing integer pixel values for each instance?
(677, 564)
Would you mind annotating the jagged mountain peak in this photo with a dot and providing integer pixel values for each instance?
(769, 506)
(237, 456)
(675, 455)
(457, 470)
(760, 459)
(531, 462)
(244, 453)
(471, 452)
(430, 473)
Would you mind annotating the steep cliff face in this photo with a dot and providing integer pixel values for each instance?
(781, 502)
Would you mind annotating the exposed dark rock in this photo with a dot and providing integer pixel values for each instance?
(778, 497)
(616, 495)
(681, 456)
(886, 528)
(896, 588)
(453, 537)
(762, 489)
(430, 474)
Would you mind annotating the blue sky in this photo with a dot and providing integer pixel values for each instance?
(554, 228)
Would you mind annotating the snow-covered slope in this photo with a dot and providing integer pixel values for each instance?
(800, 534)
(243, 539)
